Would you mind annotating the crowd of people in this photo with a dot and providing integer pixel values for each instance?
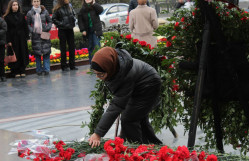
(16, 29)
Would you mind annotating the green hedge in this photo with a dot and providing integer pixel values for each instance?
(56, 43)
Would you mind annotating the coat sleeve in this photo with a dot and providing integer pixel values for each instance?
(55, 19)
(81, 21)
(131, 21)
(29, 21)
(26, 29)
(115, 108)
(98, 8)
(8, 37)
(49, 22)
(154, 21)
(3, 27)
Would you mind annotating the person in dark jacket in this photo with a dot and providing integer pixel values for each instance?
(64, 19)
(90, 25)
(3, 30)
(17, 36)
(135, 86)
(39, 22)
(133, 4)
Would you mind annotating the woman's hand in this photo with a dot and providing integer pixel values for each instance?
(94, 140)
(84, 33)
(10, 44)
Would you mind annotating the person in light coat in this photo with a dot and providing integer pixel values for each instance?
(143, 21)
(39, 21)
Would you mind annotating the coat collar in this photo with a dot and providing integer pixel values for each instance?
(141, 6)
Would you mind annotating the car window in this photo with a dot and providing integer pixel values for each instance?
(122, 8)
(113, 9)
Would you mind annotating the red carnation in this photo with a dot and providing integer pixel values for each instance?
(143, 43)
(135, 41)
(163, 58)
(168, 44)
(182, 20)
(128, 37)
(149, 46)
(201, 156)
(176, 24)
(212, 157)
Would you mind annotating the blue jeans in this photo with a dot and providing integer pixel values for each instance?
(93, 40)
(46, 63)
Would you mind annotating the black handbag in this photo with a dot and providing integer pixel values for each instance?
(84, 43)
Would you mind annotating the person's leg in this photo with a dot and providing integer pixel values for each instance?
(96, 41)
(148, 132)
(38, 64)
(63, 38)
(134, 119)
(2, 53)
(71, 46)
(46, 63)
(90, 45)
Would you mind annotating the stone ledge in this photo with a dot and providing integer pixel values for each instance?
(56, 66)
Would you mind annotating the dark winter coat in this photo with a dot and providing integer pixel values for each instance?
(40, 46)
(18, 34)
(64, 17)
(133, 77)
(133, 4)
(3, 30)
(94, 14)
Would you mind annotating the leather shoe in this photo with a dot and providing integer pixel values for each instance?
(23, 75)
(39, 74)
(74, 68)
(3, 79)
(46, 73)
(64, 69)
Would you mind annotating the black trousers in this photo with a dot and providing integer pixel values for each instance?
(2, 54)
(66, 36)
(135, 118)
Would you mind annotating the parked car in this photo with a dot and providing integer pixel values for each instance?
(244, 4)
(113, 14)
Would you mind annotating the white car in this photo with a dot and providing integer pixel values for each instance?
(113, 14)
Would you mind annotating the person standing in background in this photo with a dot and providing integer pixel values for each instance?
(3, 30)
(64, 19)
(142, 22)
(90, 25)
(40, 23)
(133, 4)
(17, 36)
